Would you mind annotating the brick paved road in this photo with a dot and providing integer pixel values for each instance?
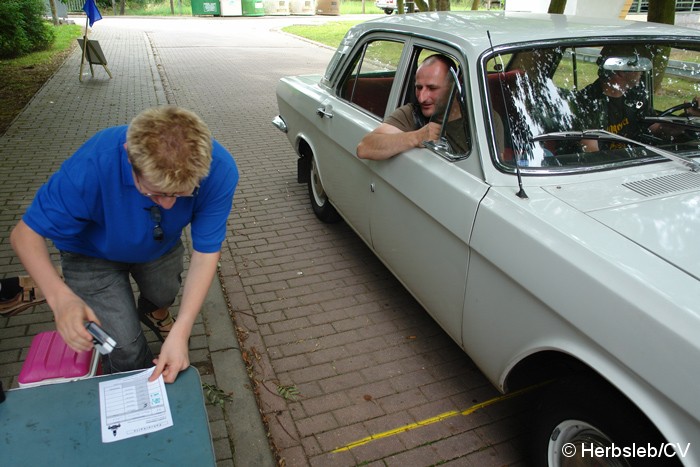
(321, 314)
(317, 311)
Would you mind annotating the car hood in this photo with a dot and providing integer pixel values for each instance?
(661, 212)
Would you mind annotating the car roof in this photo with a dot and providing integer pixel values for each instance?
(471, 27)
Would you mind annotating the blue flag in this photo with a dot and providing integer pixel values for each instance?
(91, 11)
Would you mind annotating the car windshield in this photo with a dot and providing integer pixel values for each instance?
(595, 106)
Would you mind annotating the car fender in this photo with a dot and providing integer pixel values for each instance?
(529, 280)
(301, 140)
(297, 97)
(676, 425)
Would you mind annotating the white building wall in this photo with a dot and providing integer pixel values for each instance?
(598, 8)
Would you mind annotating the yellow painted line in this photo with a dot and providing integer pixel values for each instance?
(436, 419)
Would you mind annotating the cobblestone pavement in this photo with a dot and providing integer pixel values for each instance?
(348, 369)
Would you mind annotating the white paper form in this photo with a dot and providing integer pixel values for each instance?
(131, 406)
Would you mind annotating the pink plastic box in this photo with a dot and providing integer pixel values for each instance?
(50, 360)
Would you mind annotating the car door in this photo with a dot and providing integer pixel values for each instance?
(423, 204)
(356, 106)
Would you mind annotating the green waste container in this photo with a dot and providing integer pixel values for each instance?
(253, 8)
(206, 7)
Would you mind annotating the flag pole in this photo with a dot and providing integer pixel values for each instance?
(92, 14)
(85, 45)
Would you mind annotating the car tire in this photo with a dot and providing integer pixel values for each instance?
(322, 207)
(388, 11)
(575, 415)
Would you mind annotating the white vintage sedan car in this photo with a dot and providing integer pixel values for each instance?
(561, 242)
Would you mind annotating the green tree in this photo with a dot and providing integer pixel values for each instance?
(22, 28)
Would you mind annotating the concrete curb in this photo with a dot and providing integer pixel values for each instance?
(247, 432)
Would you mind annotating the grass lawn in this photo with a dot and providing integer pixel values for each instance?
(330, 33)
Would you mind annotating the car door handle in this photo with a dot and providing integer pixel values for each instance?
(325, 112)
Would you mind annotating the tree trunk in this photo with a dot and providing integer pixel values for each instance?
(172, 8)
(122, 7)
(662, 11)
(475, 4)
(443, 5)
(54, 15)
(557, 6)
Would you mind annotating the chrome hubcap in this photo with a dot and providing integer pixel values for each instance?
(316, 187)
(573, 444)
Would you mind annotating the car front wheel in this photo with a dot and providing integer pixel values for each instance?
(580, 424)
(388, 11)
(323, 208)
(571, 440)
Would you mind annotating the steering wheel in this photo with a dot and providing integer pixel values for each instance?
(690, 134)
(676, 108)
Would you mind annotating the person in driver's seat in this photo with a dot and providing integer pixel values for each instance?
(618, 100)
(412, 124)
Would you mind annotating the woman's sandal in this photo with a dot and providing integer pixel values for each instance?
(158, 325)
(28, 296)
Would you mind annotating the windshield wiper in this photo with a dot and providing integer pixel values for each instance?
(603, 135)
(687, 123)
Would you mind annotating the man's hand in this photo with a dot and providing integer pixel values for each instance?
(71, 313)
(430, 132)
(173, 358)
(69, 310)
(386, 141)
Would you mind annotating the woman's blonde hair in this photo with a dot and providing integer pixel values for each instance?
(170, 147)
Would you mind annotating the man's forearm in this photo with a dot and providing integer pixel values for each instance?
(32, 251)
(199, 278)
(380, 146)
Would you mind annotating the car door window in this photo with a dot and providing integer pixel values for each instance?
(372, 74)
(454, 141)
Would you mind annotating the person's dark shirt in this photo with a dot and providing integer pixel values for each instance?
(620, 115)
